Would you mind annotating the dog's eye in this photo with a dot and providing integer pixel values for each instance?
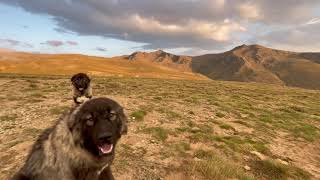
(112, 115)
(89, 122)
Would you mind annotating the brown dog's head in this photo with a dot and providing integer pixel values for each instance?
(97, 125)
(80, 81)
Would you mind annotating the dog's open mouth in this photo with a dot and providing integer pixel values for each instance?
(105, 148)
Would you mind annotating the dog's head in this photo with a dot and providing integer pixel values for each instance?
(97, 125)
(80, 81)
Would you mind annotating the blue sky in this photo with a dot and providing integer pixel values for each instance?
(191, 27)
(36, 29)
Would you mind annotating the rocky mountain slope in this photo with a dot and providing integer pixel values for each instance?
(253, 63)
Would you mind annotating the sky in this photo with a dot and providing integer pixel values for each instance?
(190, 27)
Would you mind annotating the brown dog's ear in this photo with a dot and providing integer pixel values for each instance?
(123, 123)
(124, 128)
(73, 78)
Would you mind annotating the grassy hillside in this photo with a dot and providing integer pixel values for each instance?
(178, 129)
(27, 63)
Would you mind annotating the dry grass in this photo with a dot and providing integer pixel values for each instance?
(198, 129)
(63, 64)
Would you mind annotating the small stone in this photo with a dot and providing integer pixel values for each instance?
(195, 129)
(248, 168)
(259, 155)
(244, 115)
(246, 158)
(282, 161)
(196, 159)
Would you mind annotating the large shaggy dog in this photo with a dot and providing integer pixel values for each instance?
(80, 146)
(81, 87)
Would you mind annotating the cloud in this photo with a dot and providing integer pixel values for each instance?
(53, 43)
(62, 30)
(313, 21)
(10, 42)
(101, 49)
(72, 43)
(5, 42)
(58, 43)
(250, 11)
(299, 38)
(198, 24)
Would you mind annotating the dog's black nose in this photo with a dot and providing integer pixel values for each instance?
(104, 138)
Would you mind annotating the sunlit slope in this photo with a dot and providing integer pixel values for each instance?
(27, 63)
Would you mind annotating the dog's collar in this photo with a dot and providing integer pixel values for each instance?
(104, 167)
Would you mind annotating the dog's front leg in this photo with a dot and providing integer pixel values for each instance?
(106, 174)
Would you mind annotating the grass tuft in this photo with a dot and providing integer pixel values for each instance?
(158, 133)
(138, 115)
(211, 166)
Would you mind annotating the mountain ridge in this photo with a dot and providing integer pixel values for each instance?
(247, 63)
(244, 63)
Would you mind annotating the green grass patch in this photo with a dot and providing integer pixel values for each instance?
(211, 166)
(169, 113)
(183, 129)
(244, 145)
(267, 118)
(201, 128)
(306, 131)
(226, 126)
(181, 148)
(242, 123)
(203, 137)
(272, 169)
(158, 133)
(220, 115)
(138, 115)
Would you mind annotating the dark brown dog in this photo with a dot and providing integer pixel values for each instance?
(81, 87)
(81, 146)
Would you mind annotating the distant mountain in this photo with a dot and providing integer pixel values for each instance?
(255, 63)
(166, 59)
(245, 63)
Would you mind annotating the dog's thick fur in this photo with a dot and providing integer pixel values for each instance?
(81, 87)
(68, 150)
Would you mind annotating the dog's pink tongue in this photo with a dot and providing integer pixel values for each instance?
(106, 148)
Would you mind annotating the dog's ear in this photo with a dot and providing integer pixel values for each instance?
(123, 129)
(70, 117)
(89, 80)
(73, 78)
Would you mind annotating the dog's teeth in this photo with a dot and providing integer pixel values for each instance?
(105, 149)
